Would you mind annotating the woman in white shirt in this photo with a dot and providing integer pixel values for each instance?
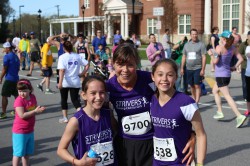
(69, 65)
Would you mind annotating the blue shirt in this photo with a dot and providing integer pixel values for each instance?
(101, 53)
(60, 51)
(97, 41)
(117, 38)
(11, 61)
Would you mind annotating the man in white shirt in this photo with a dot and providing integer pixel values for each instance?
(15, 41)
(167, 44)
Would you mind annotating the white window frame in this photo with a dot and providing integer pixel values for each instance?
(86, 3)
(153, 25)
(230, 19)
(185, 24)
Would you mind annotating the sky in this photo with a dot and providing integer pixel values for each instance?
(66, 7)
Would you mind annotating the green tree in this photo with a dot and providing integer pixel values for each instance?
(5, 11)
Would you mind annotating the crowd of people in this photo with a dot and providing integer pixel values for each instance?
(155, 114)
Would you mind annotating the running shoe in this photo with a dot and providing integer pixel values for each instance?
(63, 120)
(12, 113)
(247, 113)
(218, 115)
(49, 91)
(28, 75)
(3, 115)
(240, 120)
(40, 87)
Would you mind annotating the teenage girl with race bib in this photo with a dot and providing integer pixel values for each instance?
(89, 128)
(173, 116)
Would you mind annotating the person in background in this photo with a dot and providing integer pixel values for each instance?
(136, 41)
(155, 50)
(99, 39)
(167, 43)
(35, 54)
(181, 82)
(24, 50)
(15, 41)
(117, 37)
(236, 43)
(222, 57)
(11, 65)
(214, 42)
(47, 61)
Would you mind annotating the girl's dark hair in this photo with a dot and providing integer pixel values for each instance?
(68, 46)
(89, 79)
(214, 29)
(23, 84)
(125, 53)
(229, 42)
(158, 63)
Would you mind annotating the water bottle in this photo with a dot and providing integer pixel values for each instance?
(93, 152)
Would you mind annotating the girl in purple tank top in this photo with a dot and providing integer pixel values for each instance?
(173, 115)
(222, 58)
(89, 128)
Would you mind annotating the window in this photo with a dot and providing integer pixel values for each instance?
(86, 3)
(151, 26)
(184, 24)
(231, 13)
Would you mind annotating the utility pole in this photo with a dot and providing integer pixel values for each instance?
(57, 11)
(14, 25)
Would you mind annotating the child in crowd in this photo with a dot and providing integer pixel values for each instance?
(86, 124)
(106, 56)
(23, 127)
(109, 66)
(108, 52)
(100, 51)
(47, 61)
(180, 112)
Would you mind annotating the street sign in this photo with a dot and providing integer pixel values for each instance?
(158, 25)
(158, 11)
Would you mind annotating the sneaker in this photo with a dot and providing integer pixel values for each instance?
(23, 68)
(63, 120)
(28, 75)
(247, 113)
(48, 91)
(240, 120)
(3, 115)
(40, 87)
(12, 113)
(218, 115)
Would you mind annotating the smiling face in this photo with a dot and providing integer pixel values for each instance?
(94, 95)
(126, 72)
(164, 77)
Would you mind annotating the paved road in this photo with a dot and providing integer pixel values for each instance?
(227, 146)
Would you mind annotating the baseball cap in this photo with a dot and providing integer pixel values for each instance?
(248, 33)
(6, 45)
(225, 34)
(32, 33)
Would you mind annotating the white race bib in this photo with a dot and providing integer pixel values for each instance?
(191, 55)
(164, 149)
(137, 124)
(105, 152)
(49, 53)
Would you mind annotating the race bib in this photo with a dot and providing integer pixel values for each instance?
(82, 55)
(49, 53)
(137, 124)
(105, 153)
(164, 149)
(191, 55)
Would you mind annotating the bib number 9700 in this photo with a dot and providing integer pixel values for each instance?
(134, 125)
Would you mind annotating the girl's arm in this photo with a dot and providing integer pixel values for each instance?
(200, 136)
(62, 150)
(25, 115)
(214, 54)
(212, 42)
(61, 76)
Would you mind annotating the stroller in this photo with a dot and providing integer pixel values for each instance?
(100, 70)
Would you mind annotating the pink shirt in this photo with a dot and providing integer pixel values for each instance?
(24, 126)
(151, 50)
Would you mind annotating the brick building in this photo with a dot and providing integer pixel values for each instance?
(109, 15)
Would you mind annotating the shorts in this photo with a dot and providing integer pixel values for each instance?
(222, 81)
(47, 72)
(193, 77)
(247, 88)
(134, 152)
(23, 144)
(35, 57)
(9, 88)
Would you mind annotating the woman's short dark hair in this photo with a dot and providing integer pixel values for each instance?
(125, 53)
(68, 46)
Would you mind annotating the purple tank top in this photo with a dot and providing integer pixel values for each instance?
(172, 121)
(91, 132)
(222, 68)
(127, 103)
